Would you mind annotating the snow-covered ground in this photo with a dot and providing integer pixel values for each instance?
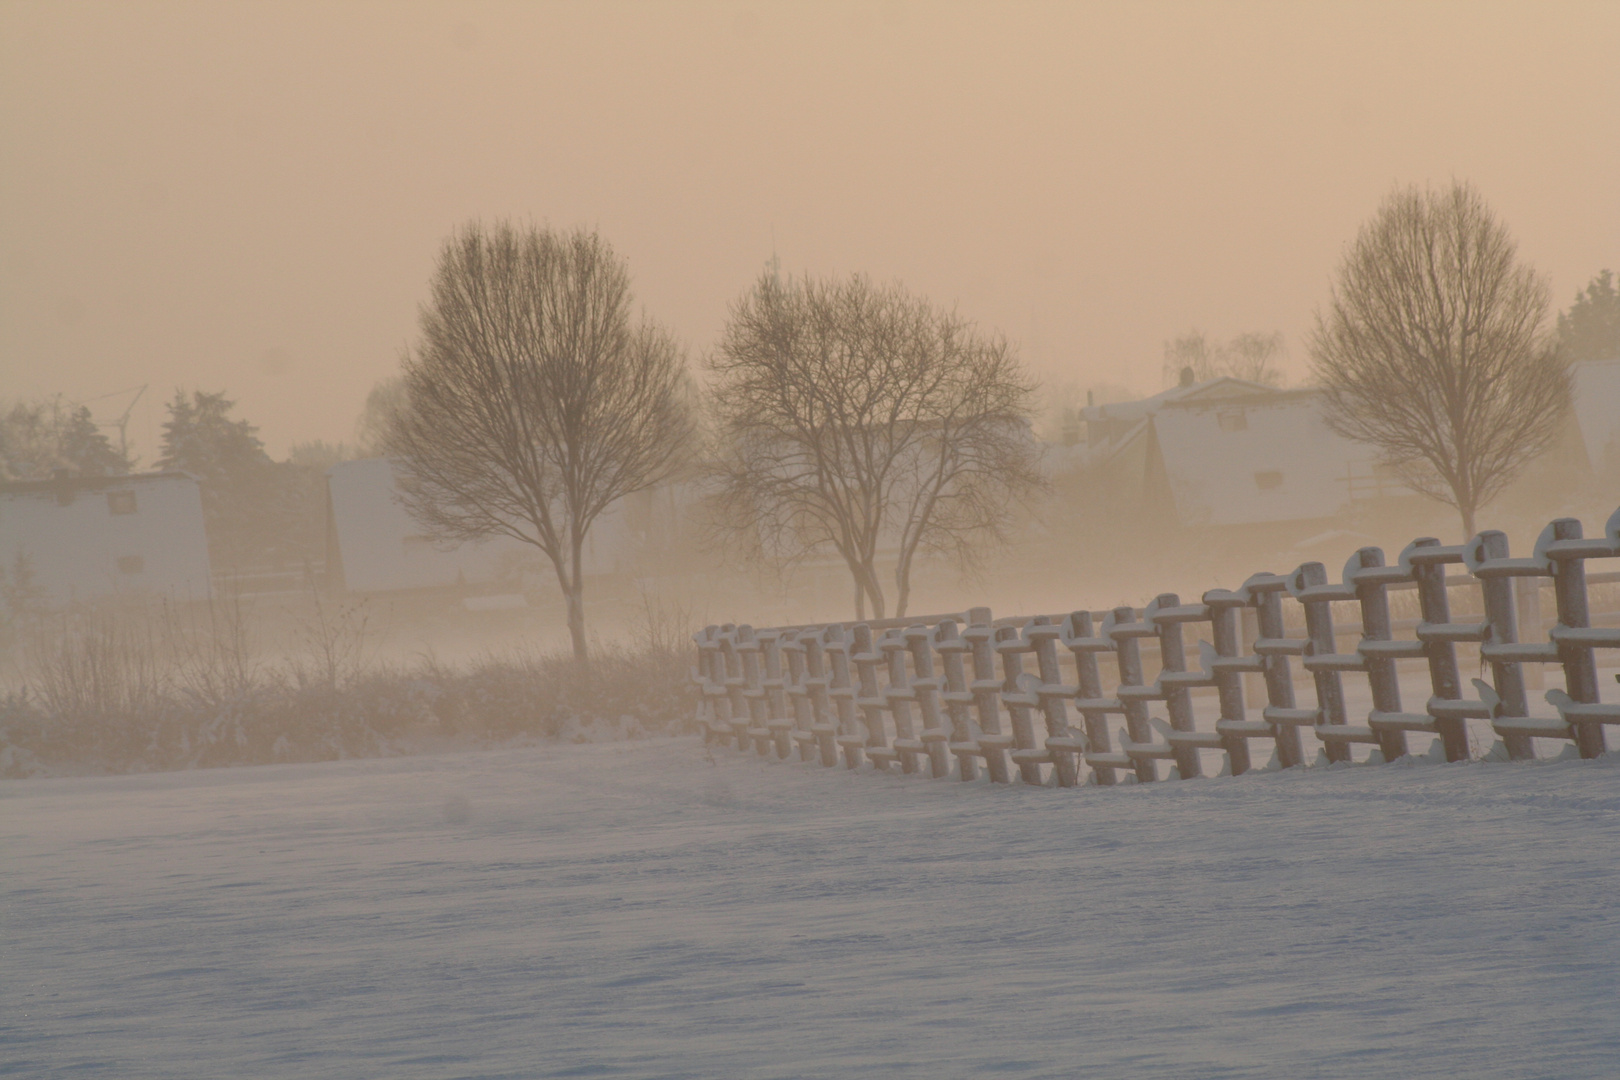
(638, 910)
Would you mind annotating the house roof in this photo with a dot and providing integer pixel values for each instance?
(1207, 392)
(88, 483)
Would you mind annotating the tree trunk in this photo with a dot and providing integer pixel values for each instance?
(873, 589)
(576, 606)
(1467, 513)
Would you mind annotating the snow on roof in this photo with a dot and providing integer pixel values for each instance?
(55, 484)
(1210, 390)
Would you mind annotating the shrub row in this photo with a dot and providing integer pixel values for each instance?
(278, 716)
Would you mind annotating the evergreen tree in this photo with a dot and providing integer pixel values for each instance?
(85, 449)
(244, 493)
(201, 438)
(38, 440)
(1590, 329)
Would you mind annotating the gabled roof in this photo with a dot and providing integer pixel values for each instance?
(1210, 391)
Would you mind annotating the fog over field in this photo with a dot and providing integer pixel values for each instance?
(730, 539)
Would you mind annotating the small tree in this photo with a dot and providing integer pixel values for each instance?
(1432, 348)
(853, 417)
(532, 403)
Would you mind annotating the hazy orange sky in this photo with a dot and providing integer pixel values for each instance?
(250, 197)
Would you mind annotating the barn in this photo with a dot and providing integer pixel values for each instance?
(90, 538)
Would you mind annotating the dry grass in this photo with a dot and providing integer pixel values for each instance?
(158, 689)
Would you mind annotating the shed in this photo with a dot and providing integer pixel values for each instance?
(87, 538)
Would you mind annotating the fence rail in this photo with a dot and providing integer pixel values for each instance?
(948, 694)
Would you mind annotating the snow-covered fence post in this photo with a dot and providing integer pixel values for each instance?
(869, 697)
(823, 721)
(958, 698)
(927, 688)
(1079, 639)
(1063, 744)
(713, 710)
(1367, 574)
(736, 682)
(1166, 615)
(1018, 701)
(993, 744)
(1228, 666)
(1274, 647)
(1309, 585)
(792, 648)
(754, 690)
(1488, 560)
(850, 738)
(1439, 635)
(777, 720)
(1254, 679)
(1564, 547)
(899, 696)
(1122, 628)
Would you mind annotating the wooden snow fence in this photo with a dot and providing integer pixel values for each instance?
(950, 694)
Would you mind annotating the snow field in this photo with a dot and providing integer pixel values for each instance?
(640, 910)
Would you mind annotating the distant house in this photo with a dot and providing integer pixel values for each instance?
(1227, 452)
(1597, 411)
(373, 544)
(87, 538)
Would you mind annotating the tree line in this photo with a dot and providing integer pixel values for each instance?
(846, 416)
(258, 512)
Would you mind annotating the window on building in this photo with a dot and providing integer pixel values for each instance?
(1233, 420)
(121, 502)
(131, 564)
(1265, 481)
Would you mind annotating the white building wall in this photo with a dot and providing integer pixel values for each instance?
(1258, 462)
(383, 549)
(91, 538)
(1597, 409)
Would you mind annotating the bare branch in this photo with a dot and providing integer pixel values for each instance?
(861, 419)
(1433, 349)
(531, 403)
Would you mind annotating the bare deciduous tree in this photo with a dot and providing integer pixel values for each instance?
(1250, 356)
(532, 403)
(1433, 348)
(856, 417)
